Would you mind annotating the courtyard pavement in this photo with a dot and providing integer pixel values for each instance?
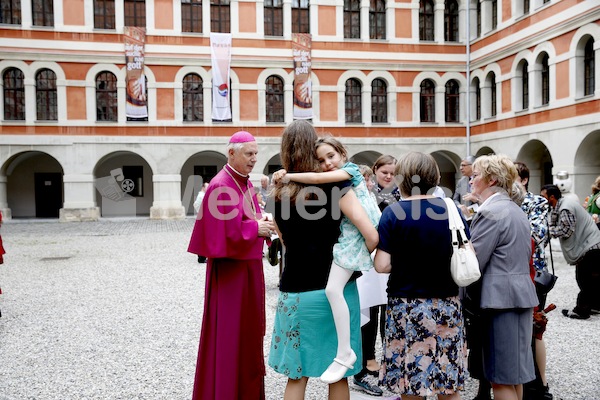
(112, 310)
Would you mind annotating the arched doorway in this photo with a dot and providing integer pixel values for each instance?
(199, 168)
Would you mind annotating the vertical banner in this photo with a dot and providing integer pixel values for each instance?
(220, 52)
(136, 106)
(301, 45)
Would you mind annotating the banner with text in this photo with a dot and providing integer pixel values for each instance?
(220, 51)
(136, 106)
(301, 45)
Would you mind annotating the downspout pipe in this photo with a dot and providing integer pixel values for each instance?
(468, 66)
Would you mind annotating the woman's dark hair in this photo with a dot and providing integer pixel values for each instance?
(297, 155)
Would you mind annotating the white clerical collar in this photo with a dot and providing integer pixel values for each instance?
(239, 173)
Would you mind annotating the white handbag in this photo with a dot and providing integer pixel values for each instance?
(464, 265)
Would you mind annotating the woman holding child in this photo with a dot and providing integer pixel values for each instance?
(305, 341)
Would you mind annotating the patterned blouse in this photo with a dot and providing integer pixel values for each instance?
(536, 208)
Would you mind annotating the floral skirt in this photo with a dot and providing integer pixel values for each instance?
(424, 350)
(304, 340)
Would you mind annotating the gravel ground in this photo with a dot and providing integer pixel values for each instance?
(112, 310)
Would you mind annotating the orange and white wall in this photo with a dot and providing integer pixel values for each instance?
(562, 135)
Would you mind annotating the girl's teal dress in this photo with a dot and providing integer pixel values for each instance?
(350, 252)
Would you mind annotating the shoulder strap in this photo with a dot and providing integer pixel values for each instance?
(455, 221)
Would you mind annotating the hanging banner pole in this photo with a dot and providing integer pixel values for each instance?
(220, 51)
(301, 53)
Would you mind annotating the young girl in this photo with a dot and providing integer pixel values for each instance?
(352, 252)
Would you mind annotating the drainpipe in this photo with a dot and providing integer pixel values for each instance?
(468, 54)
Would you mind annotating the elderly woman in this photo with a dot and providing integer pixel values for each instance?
(501, 237)
(424, 348)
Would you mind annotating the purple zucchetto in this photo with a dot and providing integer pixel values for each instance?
(242, 137)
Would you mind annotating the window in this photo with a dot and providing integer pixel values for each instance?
(427, 101)
(525, 6)
(274, 99)
(452, 101)
(589, 65)
(220, 19)
(273, 17)
(378, 101)
(104, 14)
(135, 13)
(426, 27)
(477, 99)
(106, 97)
(494, 14)
(451, 21)
(14, 95)
(45, 95)
(525, 85)
(493, 102)
(478, 18)
(42, 12)
(545, 80)
(191, 16)
(377, 19)
(300, 16)
(352, 19)
(353, 101)
(10, 12)
(193, 98)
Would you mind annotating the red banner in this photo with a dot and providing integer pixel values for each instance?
(301, 46)
(136, 106)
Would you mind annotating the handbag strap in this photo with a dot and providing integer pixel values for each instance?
(455, 222)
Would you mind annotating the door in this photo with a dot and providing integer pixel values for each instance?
(48, 194)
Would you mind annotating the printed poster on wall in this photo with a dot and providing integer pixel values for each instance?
(136, 106)
(301, 45)
(220, 51)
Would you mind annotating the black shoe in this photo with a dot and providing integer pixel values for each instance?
(573, 314)
(366, 387)
(373, 373)
(201, 259)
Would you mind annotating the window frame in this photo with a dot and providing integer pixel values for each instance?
(273, 17)
(16, 93)
(13, 15)
(138, 7)
(103, 19)
(545, 80)
(46, 95)
(451, 21)
(274, 99)
(192, 98)
(589, 68)
(427, 101)
(45, 17)
(108, 96)
(426, 20)
(351, 19)
(353, 101)
(220, 16)
(191, 16)
(300, 16)
(379, 107)
(452, 101)
(377, 20)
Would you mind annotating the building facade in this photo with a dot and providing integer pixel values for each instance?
(388, 76)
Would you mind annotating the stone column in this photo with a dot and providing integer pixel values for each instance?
(6, 212)
(79, 202)
(167, 197)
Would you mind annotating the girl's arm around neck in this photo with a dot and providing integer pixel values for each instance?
(317, 178)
